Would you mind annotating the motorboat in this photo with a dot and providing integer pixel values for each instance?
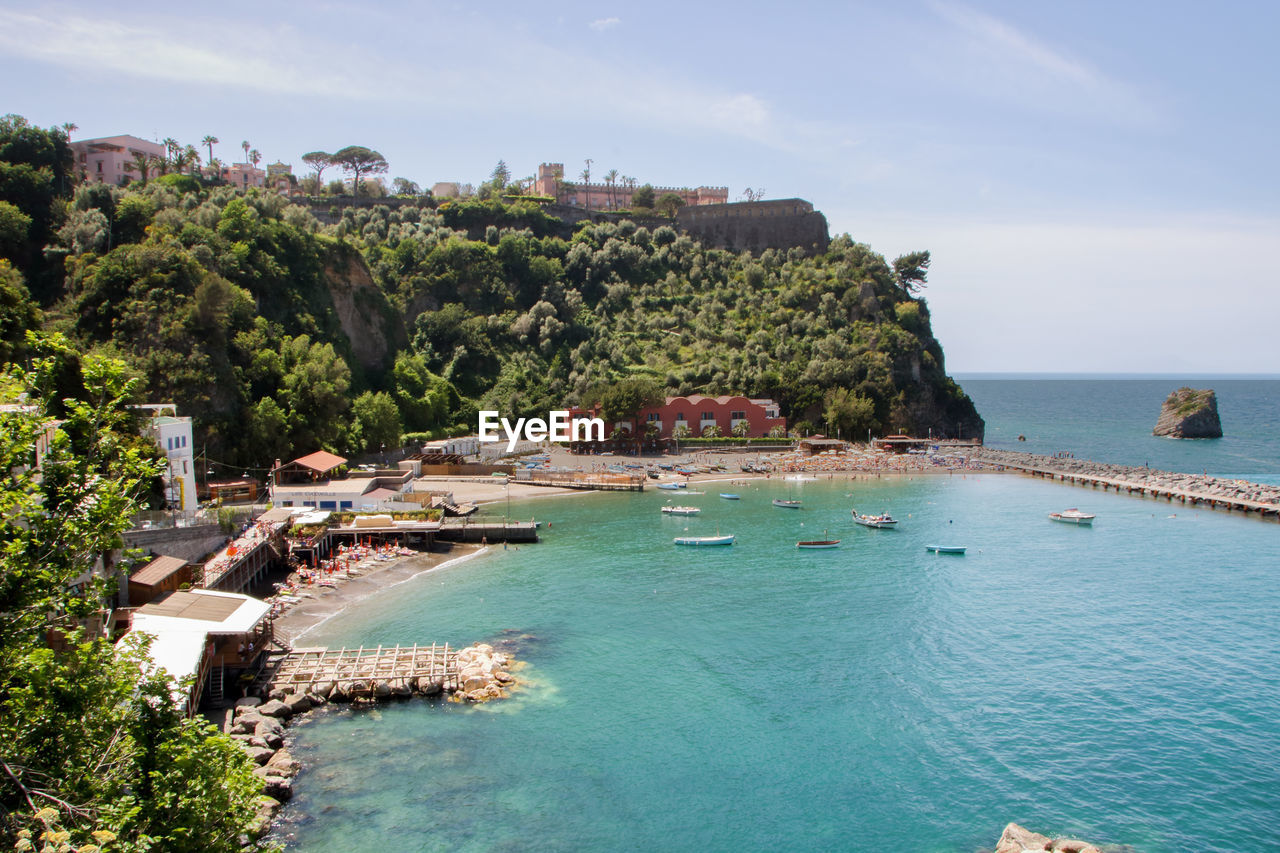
(1073, 516)
(704, 540)
(786, 504)
(729, 496)
(884, 521)
(945, 549)
(681, 510)
(671, 487)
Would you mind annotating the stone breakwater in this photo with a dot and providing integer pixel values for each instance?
(1189, 488)
(1017, 839)
(260, 724)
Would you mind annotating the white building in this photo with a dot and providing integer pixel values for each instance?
(173, 435)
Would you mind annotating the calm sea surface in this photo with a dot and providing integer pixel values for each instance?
(1119, 682)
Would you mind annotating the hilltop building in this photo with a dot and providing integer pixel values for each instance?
(242, 176)
(552, 182)
(112, 159)
(753, 226)
(172, 434)
(310, 482)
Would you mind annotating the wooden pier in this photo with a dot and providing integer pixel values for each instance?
(595, 481)
(367, 671)
(245, 561)
(1156, 491)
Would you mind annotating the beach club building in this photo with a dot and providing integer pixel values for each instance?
(695, 413)
(311, 482)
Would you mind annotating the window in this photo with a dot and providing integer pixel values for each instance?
(309, 503)
(738, 416)
(328, 504)
(170, 441)
(286, 503)
(709, 415)
(653, 416)
(344, 504)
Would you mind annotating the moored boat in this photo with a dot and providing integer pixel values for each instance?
(819, 543)
(704, 540)
(884, 521)
(681, 510)
(671, 487)
(945, 549)
(786, 504)
(729, 496)
(1073, 516)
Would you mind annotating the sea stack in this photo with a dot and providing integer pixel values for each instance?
(1190, 413)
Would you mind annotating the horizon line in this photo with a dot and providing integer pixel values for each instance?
(1046, 374)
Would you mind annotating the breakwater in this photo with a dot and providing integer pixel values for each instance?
(1191, 489)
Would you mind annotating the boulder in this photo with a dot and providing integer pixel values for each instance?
(284, 763)
(273, 740)
(1190, 413)
(381, 689)
(474, 683)
(322, 688)
(275, 708)
(298, 703)
(341, 692)
(278, 787)
(431, 688)
(1017, 839)
(1072, 845)
(503, 677)
(400, 687)
(317, 699)
(248, 702)
(268, 726)
(259, 754)
(267, 808)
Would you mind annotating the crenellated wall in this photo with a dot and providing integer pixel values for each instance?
(753, 226)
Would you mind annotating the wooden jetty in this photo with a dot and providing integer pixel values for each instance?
(1151, 490)
(246, 560)
(596, 481)
(364, 669)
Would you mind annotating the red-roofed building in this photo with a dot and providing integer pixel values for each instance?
(696, 413)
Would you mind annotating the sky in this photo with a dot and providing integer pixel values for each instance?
(1096, 181)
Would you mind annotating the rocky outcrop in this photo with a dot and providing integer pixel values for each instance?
(1190, 413)
(372, 327)
(1017, 839)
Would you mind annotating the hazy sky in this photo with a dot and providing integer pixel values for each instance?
(1097, 181)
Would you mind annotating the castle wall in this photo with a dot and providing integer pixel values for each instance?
(754, 226)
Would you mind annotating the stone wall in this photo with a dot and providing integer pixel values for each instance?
(192, 544)
(754, 226)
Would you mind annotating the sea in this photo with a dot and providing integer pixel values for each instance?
(1117, 683)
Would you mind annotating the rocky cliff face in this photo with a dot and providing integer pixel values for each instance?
(1190, 413)
(375, 331)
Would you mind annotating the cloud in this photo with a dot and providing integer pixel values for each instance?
(602, 24)
(106, 46)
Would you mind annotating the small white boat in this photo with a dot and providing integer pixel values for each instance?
(884, 521)
(786, 504)
(945, 549)
(671, 487)
(1073, 516)
(816, 544)
(729, 496)
(704, 540)
(681, 510)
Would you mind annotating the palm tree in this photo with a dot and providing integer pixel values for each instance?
(191, 157)
(630, 184)
(245, 146)
(70, 127)
(611, 178)
(211, 141)
(255, 157)
(586, 182)
(142, 163)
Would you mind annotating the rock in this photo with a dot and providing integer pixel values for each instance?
(503, 677)
(267, 808)
(278, 694)
(474, 683)
(244, 725)
(298, 703)
(1017, 839)
(259, 754)
(400, 687)
(268, 726)
(1190, 413)
(275, 708)
(431, 688)
(248, 702)
(1072, 845)
(273, 740)
(318, 699)
(381, 689)
(341, 692)
(284, 762)
(322, 688)
(278, 787)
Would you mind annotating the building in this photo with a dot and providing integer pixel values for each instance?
(242, 176)
(446, 189)
(696, 413)
(753, 226)
(161, 575)
(114, 159)
(310, 482)
(280, 178)
(552, 182)
(173, 435)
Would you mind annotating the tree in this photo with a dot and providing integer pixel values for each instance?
(750, 194)
(711, 431)
(623, 400)
(911, 270)
(255, 157)
(669, 203)
(586, 182)
(142, 163)
(357, 160)
(611, 181)
(376, 422)
(848, 412)
(643, 198)
(404, 186)
(245, 146)
(210, 140)
(501, 176)
(318, 160)
(14, 228)
(91, 739)
(742, 428)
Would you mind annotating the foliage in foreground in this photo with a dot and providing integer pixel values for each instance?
(94, 751)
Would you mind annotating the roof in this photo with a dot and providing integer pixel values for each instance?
(321, 461)
(296, 491)
(380, 494)
(278, 514)
(157, 570)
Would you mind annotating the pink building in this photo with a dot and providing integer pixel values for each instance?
(113, 159)
(695, 413)
(551, 182)
(244, 175)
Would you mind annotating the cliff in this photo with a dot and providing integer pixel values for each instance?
(1190, 413)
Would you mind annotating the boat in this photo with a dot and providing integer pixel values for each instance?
(786, 504)
(884, 521)
(729, 496)
(671, 487)
(681, 510)
(704, 540)
(815, 544)
(945, 549)
(1073, 516)
(800, 478)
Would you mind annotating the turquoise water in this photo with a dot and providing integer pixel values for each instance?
(1119, 682)
(1110, 420)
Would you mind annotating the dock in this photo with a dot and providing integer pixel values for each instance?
(246, 560)
(366, 671)
(466, 530)
(1149, 486)
(595, 481)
